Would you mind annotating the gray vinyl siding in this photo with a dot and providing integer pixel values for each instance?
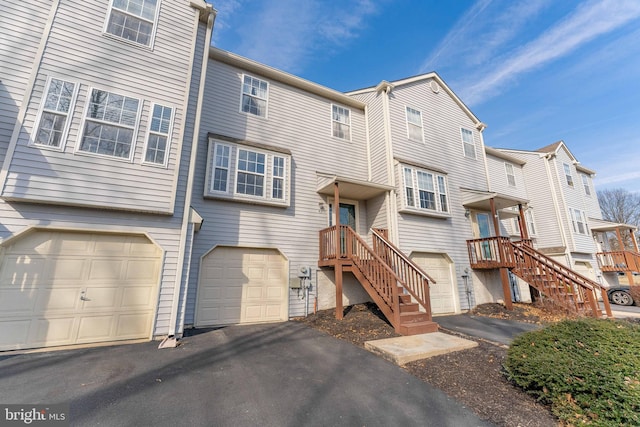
(78, 51)
(296, 121)
(21, 25)
(442, 149)
(499, 181)
(103, 62)
(377, 138)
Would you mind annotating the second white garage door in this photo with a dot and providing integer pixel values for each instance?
(242, 285)
(442, 292)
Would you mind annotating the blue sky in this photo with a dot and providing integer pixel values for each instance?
(535, 71)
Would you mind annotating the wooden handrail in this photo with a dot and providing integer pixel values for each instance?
(491, 252)
(355, 249)
(412, 277)
(619, 261)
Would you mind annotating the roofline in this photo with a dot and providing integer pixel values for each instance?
(432, 75)
(503, 156)
(283, 77)
(585, 169)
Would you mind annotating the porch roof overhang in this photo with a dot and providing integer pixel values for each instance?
(602, 225)
(480, 200)
(351, 188)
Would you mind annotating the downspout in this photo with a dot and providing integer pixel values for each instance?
(173, 320)
(22, 111)
(392, 201)
(554, 197)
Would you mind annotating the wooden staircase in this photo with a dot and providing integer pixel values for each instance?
(398, 286)
(570, 291)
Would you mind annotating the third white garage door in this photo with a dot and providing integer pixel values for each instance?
(442, 292)
(242, 285)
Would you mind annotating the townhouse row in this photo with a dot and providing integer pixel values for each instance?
(151, 182)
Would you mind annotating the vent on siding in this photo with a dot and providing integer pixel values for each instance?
(434, 86)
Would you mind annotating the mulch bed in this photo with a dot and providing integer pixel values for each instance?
(473, 377)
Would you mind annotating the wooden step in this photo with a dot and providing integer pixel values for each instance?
(413, 317)
(409, 307)
(416, 328)
(404, 298)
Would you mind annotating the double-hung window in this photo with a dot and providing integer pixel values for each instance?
(56, 108)
(157, 149)
(578, 220)
(425, 190)
(585, 184)
(567, 174)
(110, 124)
(255, 94)
(531, 225)
(240, 172)
(467, 143)
(511, 176)
(133, 20)
(414, 125)
(341, 122)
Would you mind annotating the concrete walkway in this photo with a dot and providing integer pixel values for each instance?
(263, 375)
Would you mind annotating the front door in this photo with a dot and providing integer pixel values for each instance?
(347, 217)
(484, 230)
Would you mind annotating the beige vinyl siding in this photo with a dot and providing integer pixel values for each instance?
(499, 181)
(98, 61)
(296, 121)
(377, 141)
(21, 25)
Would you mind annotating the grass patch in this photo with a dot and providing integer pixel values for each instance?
(587, 369)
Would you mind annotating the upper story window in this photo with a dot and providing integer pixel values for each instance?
(341, 122)
(586, 185)
(578, 220)
(255, 93)
(414, 125)
(511, 176)
(567, 174)
(425, 190)
(246, 173)
(531, 225)
(468, 144)
(110, 124)
(133, 20)
(56, 107)
(157, 147)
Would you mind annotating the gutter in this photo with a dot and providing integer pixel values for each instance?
(170, 340)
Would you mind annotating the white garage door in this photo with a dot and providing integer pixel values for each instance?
(442, 293)
(242, 285)
(586, 269)
(61, 288)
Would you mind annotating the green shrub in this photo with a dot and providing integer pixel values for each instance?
(587, 369)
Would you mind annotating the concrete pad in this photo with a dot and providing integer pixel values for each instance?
(401, 350)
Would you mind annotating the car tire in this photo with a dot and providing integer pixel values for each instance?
(620, 298)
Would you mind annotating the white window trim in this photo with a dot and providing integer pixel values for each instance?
(530, 219)
(130, 42)
(574, 222)
(84, 120)
(67, 125)
(349, 124)
(473, 144)
(230, 193)
(265, 194)
(149, 132)
(283, 177)
(266, 100)
(568, 176)
(511, 173)
(415, 208)
(409, 124)
(586, 185)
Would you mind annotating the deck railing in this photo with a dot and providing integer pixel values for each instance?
(491, 252)
(622, 261)
(412, 277)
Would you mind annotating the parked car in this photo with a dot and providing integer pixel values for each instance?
(620, 295)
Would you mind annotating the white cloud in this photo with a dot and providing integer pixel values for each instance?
(589, 21)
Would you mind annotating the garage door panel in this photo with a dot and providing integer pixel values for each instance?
(251, 281)
(442, 293)
(44, 274)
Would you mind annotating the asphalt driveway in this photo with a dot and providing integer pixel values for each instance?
(263, 375)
